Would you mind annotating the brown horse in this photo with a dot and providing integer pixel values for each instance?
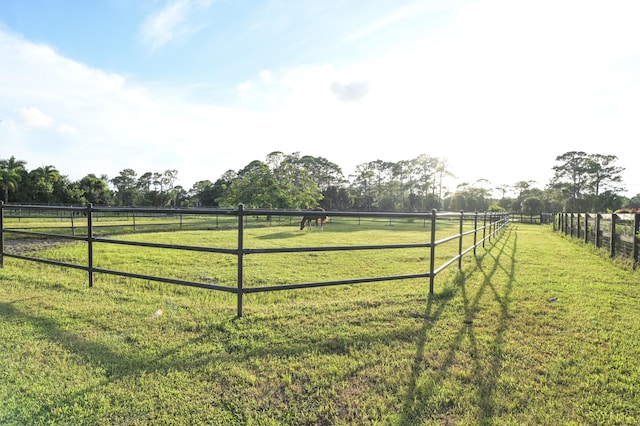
(320, 217)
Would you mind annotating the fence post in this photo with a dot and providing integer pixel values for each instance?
(240, 257)
(460, 239)
(598, 240)
(586, 228)
(492, 225)
(560, 219)
(432, 260)
(1, 234)
(636, 240)
(475, 231)
(90, 242)
(571, 225)
(612, 249)
(484, 229)
(73, 227)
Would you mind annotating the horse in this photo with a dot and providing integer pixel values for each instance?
(319, 217)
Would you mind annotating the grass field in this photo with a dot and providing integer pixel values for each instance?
(536, 329)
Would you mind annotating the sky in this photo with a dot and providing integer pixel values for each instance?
(496, 88)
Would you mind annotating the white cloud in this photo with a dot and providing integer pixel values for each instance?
(266, 76)
(177, 19)
(33, 117)
(416, 10)
(67, 130)
(349, 92)
(244, 87)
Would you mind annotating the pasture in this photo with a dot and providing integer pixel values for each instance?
(534, 330)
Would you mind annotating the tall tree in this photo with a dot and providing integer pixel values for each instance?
(95, 189)
(125, 184)
(571, 176)
(581, 178)
(10, 175)
(295, 182)
(362, 184)
(42, 182)
(255, 186)
(442, 171)
(325, 173)
(328, 177)
(604, 175)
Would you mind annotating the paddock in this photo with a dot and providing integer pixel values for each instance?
(439, 239)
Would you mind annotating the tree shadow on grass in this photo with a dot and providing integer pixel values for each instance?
(121, 361)
(485, 374)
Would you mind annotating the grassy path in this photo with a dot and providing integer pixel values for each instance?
(536, 330)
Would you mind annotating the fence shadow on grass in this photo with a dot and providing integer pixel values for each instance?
(416, 408)
(119, 363)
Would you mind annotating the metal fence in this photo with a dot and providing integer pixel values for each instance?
(619, 233)
(540, 218)
(95, 225)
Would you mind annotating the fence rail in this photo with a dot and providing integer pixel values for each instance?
(619, 233)
(483, 227)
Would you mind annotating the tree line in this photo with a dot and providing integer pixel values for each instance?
(581, 183)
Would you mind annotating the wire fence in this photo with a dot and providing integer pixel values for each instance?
(618, 233)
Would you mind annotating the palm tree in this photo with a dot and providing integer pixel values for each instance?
(44, 179)
(10, 175)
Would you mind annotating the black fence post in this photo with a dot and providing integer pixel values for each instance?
(612, 245)
(586, 228)
(598, 239)
(571, 225)
(492, 225)
(90, 242)
(240, 257)
(73, 226)
(1, 234)
(636, 240)
(559, 218)
(432, 260)
(475, 231)
(460, 239)
(484, 229)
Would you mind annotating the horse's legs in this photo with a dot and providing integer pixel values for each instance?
(305, 223)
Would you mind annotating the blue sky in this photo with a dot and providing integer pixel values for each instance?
(498, 88)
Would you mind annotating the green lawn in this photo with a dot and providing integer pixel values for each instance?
(537, 329)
